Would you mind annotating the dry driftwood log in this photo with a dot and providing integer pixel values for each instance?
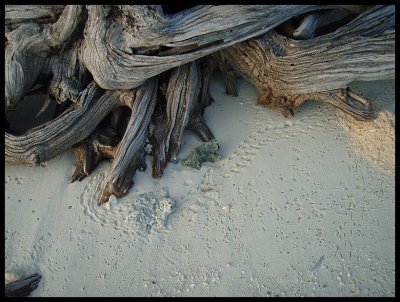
(124, 74)
(22, 287)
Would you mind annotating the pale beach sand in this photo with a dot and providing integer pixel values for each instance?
(295, 207)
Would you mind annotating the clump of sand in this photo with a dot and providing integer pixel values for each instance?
(153, 210)
(375, 140)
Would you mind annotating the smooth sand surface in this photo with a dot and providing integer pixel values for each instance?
(296, 207)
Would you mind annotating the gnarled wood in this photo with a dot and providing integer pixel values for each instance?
(17, 14)
(182, 92)
(206, 28)
(287, 72)
(75, 124)
(27, 48)
(101, 144)
(129, 155)
(196, 121)
(158, 65)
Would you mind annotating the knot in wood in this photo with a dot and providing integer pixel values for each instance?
(128, 98)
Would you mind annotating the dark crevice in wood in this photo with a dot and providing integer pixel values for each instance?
(330, 20)
(23, 117)
(101, 144)
(331, 27)
(175, 8)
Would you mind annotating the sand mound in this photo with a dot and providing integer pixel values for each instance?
(375, 140)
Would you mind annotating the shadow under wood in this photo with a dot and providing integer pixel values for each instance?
(102, 144)
(310, 107)
(326, 21)
(22, 118)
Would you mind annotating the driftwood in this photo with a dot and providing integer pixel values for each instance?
(126, 73)
(186, 97)
(320, 68)
(22, 287)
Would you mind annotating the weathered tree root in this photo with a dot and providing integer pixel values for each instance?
(288, 72)
(27, 48)
(196, 122)
(182, 91)
(44, 142)
(347, 101)
(127, 50)
(186, 97)
(129, 155)
(102, 144)
(229, 74)
(357, 106)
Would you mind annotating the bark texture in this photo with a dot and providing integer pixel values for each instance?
(287, 72)
(124, 75)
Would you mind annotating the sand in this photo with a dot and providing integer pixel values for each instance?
(294, 208)
(374, 140)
